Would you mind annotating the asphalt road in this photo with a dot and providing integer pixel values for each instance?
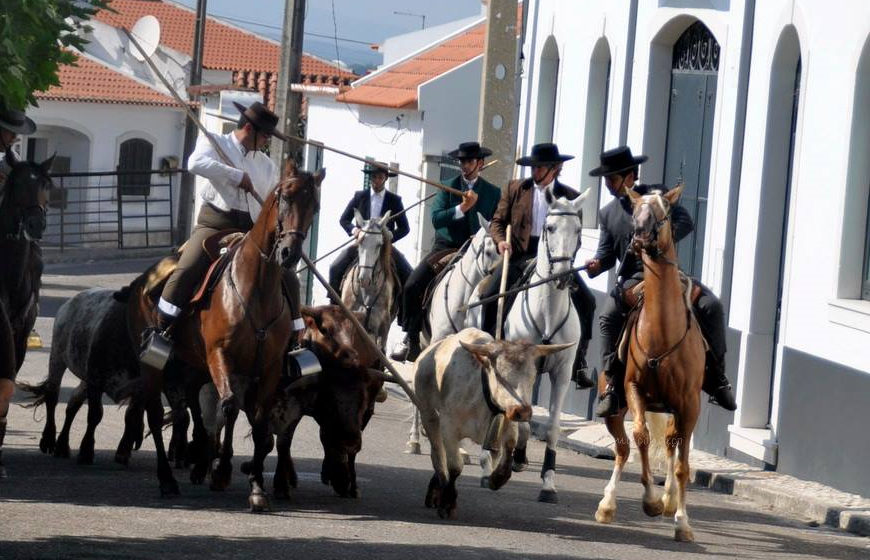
(54, 508)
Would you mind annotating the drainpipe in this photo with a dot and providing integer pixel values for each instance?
(629, 69)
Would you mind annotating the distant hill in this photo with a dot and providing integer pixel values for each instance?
(359, 58)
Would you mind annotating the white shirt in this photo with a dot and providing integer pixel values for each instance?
(376, 203)
(221, 188)
(466, 186)
(539, 209)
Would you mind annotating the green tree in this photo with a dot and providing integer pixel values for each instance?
(36, 36)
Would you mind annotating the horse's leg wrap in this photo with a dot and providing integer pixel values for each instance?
(549, 461)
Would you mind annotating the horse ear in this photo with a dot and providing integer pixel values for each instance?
(632, 195)
(385, 218)
(357, 218)
(577, 203)
(673, 195)
(320, 176)
(548, 195)
(547, 349)
(45, 166)
(483, 222)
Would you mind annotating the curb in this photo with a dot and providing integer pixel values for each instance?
(796, 504)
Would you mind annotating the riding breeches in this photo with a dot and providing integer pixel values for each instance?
(194, 261)
(708, 310)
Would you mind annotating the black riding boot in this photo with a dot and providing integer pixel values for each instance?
(609, 401)
(579, 373)
(408, 350)
(2, 437)
(716, 384)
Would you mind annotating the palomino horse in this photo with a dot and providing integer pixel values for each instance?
(23, 203)
(370, 286)
(544, 314)
(664, 367)
(452, 291)
(241, 333)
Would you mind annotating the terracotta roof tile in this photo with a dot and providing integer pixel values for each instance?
(226, 47)
(396, 87)
(93, 82)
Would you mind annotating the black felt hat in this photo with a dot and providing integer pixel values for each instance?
(470, 150)
(16, 121)
(378, 167)
(617, 160)
(261, 118)
(542, 154)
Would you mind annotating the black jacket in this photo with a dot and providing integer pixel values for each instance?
(362, 201)
(616, 231)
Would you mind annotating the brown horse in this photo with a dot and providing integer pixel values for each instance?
(664, 367)
(23, 204)
(240, 333)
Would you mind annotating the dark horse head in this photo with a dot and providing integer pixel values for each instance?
(25, 199)
(298, 201)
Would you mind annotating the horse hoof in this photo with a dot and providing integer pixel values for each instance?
(259, 502)
(355, 493)
(604, 516)
(282, 494)
(413, 448)
(197, 477)
(484, 482)
(447, 513)
(61, 452)
(169, 489)
(382, 396)
(684, 535)
(653, 509)
(548, 497)
(46, 445)
(122, 459)
(519, 467)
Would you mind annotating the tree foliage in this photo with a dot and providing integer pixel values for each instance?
(36, 36)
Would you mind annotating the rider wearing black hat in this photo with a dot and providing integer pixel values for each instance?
(12, 123)
(455, 220)
(524, 207)
(373, 203)
(620, 169)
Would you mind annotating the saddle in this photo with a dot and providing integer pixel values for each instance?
(219, 247)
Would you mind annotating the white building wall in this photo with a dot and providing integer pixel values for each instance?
(450, 104)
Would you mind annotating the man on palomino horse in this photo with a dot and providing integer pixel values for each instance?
(372, 203)
(455, 220)
(524, 207)
(12, 123)
(226, 205)
(620, 170)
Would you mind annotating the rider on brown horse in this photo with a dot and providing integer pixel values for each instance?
(619, 169)
(226, 204)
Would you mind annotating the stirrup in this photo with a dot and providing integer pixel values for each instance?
(156, 349)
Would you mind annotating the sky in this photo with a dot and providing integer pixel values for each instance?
(363, 22)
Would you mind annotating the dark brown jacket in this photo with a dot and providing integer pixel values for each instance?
(515, 208)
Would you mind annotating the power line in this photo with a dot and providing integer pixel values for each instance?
(278, 28)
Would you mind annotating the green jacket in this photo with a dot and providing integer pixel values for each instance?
(456, 232)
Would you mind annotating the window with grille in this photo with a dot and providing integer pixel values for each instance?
(136, 155)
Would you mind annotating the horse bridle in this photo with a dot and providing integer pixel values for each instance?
(280, 233)
(19, 232)
(477, 254)
(653, 252)
(551, 260)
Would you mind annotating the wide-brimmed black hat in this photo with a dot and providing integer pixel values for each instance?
(543, 154)
(261, 118)
(617, 160)
(378, 167)
(470, 150)
(16, 121)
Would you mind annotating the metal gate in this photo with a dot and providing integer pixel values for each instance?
(694, 75)
(111, 209)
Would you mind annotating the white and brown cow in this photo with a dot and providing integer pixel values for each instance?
(467, 383)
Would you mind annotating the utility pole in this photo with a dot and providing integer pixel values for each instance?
(185, 194)
(288, 105)
(497, 127)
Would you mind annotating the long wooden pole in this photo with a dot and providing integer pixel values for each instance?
(186, 107)
(362, 331)
(503, 286)
(512, 291)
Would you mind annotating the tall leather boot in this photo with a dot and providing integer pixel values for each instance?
(716, 384)
(581, 379)
(609, 401)
(2, 437)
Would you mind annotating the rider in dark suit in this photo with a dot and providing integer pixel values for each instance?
(518, 207)
(619, 168)
(374, 202)
(455, 220)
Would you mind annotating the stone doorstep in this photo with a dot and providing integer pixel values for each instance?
(807, 501)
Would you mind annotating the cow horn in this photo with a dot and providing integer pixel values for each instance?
(305, 382)
(384, 376)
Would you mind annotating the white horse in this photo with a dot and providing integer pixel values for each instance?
(545, 315)
(451, 293)
(370, 286)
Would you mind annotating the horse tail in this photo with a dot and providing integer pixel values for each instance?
(38, 393)
(658, 425)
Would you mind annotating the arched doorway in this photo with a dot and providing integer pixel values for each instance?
(595, 127)
(694, 75)
(548, 82)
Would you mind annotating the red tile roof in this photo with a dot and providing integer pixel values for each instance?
(93, 82)
(226, 47)
(396, 87)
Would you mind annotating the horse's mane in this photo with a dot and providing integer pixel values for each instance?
(386, 256)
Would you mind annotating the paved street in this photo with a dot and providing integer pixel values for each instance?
(53, 508)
